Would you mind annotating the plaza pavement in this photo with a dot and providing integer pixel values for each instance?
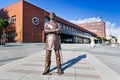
(76, 66)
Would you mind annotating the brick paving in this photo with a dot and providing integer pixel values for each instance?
(76, 66)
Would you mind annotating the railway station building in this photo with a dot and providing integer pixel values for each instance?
(26, 25)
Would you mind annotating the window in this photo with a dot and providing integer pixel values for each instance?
(13, 20)
(9, 20)
(7, 34)
(47, 19)
(60, 24)
(77, 31)
(13, 34)
(99, 28)
(64, 27)
(69, 28)
(72, 29)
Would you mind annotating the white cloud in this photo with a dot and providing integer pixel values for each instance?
(110, 25)
(111, 28)
(88, 20)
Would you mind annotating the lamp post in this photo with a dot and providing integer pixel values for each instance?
(102, 40)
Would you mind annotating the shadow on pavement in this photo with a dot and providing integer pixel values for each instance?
(71, 62)
(11, 59)
(12, 45)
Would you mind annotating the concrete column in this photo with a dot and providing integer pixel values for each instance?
(92, 42)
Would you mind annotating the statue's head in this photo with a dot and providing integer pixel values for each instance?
(52, 16)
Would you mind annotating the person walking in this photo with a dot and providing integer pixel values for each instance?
(3, 40)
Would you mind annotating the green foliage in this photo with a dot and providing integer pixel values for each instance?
(102, 39)
(99, 38)
(3, 23)
(113, 37)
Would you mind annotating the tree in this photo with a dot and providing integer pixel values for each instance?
(99, 39)
(114, 37)
(3, 19)
(3, 23)
(3, 13)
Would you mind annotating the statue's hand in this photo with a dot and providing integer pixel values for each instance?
(58, 31)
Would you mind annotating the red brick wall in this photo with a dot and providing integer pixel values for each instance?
(16, 9)
(32, 33)
(96, 27)
(25, 30)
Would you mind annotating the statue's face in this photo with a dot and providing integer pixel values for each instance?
(52, 16)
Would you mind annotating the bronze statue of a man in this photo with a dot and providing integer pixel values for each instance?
(52, 30)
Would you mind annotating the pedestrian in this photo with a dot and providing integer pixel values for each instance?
(52, 31)
(3, 39)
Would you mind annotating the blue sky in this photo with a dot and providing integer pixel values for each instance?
(79, 10)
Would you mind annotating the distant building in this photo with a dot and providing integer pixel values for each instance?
(27, 25)
(96, 27)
